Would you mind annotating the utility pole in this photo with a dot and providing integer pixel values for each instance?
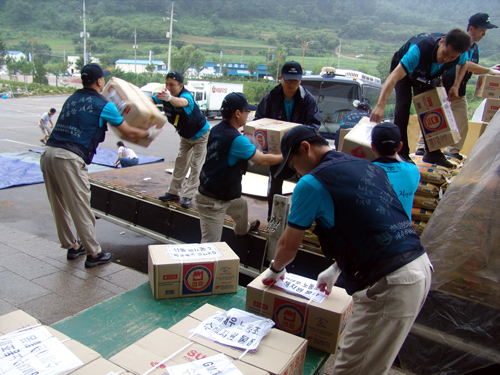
(135, 46)
(84, 34)
(340, 47)
(169, 35)
(304, 47)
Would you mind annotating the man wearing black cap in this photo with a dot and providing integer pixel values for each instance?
(193, 128)
(362, 226)
(404, 177)
(458, 78)
(351, 118)
(80, 128)
(228, 154)
(416, 68)
(290, 102)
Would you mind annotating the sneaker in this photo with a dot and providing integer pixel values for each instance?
(420, 151)
(185, 202)
(73, 254)
(254, 225)
(456, 156)
(102, 258)
(168, 197)
(437, 157)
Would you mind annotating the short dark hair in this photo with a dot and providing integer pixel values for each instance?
(52, 110)
(313, 141)
(459, 40)
(120, 144)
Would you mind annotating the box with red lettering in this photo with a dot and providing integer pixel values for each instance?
(436, 118)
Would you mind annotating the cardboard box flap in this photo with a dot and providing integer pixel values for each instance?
(138, 360)
(162, 342)
(99, 366)
(16, 320)
(84, 353)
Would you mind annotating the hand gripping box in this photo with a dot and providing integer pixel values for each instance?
(322, 324)
(268, 133)
(436, 118)
(488, 86)
(490, 109)
(279, 353)
(190, 270)
(163, 349)
(138, 110)
(358, 141)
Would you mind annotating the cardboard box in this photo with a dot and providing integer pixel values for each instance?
(490, 109)
(138, 110)
(190, 270)
(436, 118)
(279, 353)
(488, 86)
(358, 141)
(100, 366)
(322, 324)
(268, 133)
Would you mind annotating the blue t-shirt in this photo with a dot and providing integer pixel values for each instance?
(311, 201)
(288, 108)
(110, 114)
(404, 178)
(411, 59)
(241, 149)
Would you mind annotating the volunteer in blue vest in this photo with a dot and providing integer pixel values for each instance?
(363, 228)
(416, 68)
(80, 128)
(478, 24)
(351, 118)
(404, 177)
(193, 128)
(291, 102)
(228, 154)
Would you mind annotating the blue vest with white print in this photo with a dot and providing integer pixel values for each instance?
(372, 235)
(77, 128)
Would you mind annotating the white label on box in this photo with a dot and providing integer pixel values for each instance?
(235, 328)
(114, 98)
(302, 287)
(194, 251)
(217, 364)
(35, 351)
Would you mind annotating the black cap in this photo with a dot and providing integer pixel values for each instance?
(386, 138)
(236, 101)
(481, 20)
(174, 74)
(291, 139)
(92, 72)
(362, 105)
(292, 70)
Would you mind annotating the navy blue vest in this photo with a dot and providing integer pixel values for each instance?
(449, 76)
(77, 128)
(428, 45)
(372, 235)
(186, 125)
(218, 179)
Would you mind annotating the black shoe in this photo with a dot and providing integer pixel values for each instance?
(185, 202)
(168, 197)
(406, 158)
(420, 151)
(456, 156)
(254, 225)
(437, 157)
(73, 254)
(102, 258)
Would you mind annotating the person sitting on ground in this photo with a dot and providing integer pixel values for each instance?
(44, 124)
(404, 177)
(126, 156)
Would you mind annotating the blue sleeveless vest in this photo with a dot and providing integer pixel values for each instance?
(449, 76)
(218, 179)
(186, 125)
(77, 128)
(372, 235)
(428, 45)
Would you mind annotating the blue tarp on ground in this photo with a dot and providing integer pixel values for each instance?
(14, 172)
(106, 156)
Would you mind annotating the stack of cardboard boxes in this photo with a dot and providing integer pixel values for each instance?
(488, 86)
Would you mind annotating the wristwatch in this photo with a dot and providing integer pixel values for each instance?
(272, 269)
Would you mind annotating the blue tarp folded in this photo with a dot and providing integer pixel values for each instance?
(14, 172)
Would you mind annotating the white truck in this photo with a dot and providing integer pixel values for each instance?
(209, 95)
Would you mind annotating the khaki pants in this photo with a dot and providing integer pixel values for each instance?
(212, 212)
(68, 189)
(382, 317)
(459, 108)
(191, 155)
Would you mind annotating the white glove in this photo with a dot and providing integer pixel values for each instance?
(327, 279)
(165, 96)
(154, 131)
(271, 276)
(494, 72)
